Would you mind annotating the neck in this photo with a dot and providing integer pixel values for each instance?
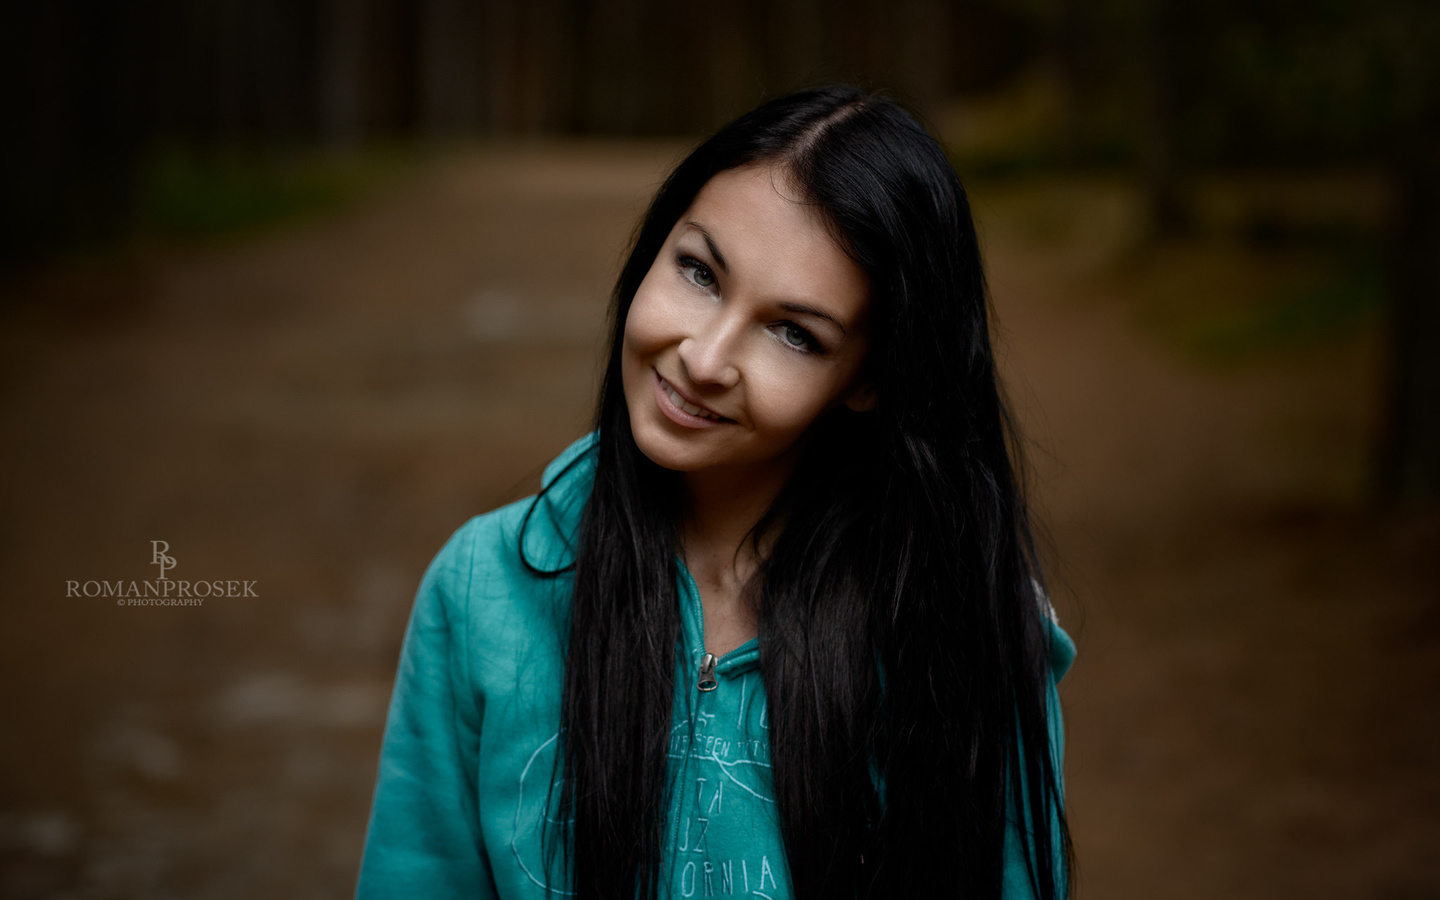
(722, 507)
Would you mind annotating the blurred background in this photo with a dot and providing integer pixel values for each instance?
(297, 287)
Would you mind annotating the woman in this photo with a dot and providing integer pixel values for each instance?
(776, 627)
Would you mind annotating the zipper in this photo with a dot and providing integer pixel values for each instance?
(706, 681)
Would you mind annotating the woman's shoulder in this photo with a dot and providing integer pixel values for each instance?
(1062, 649)
(1062, 646)
(525, 539)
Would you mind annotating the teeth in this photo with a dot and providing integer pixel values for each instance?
(690, 408)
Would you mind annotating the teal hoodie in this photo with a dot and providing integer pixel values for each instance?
(470, 744)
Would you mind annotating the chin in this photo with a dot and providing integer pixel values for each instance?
(663, 450)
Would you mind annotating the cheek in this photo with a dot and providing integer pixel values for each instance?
(789, 395)
(647, 324)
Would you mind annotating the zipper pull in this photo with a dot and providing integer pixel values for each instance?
(707, 680)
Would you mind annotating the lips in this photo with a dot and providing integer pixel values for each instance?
(686, 406)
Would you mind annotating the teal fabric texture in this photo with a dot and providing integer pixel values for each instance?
(469, 762)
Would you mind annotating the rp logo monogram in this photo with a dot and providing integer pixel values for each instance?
(159, 556)
(163, 591)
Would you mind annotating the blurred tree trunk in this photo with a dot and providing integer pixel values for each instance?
(922, 29)
(232, 104)
(70, 162)
(1164, 37)
(340, 70)
(1410, 459)
(1073, 53)
(449, 59)
(794, 53)
(552, 106)
(736, 75)
(545, 36)
(611, 74)
(392, 68)
(501, 64)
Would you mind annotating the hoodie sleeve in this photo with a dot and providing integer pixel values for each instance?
(424, 835)
(1017, 885)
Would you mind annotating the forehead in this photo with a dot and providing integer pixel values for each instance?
(773, 239)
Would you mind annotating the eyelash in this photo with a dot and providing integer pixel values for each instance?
(690, 266)
(811, 345)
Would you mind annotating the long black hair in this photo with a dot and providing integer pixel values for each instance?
(903, 643)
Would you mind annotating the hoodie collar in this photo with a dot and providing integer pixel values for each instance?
(550, 543)
(692, 618)
(553, 526)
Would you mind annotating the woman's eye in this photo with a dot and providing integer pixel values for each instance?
(797, 338)
(698, 272)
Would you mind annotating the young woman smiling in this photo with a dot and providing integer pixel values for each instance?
(776, 627)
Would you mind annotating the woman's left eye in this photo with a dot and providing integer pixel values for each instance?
(697, 272)
(796, 338)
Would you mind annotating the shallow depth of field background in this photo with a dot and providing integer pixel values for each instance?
(298, 287)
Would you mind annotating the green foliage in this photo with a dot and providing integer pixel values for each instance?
(1247, 82)
(184, 194)
(1275, 264)
(1317, 309)
(1340, 83)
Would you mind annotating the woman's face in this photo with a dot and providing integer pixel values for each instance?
(750, 324)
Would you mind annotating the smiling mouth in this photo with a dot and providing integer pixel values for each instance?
(689, 408)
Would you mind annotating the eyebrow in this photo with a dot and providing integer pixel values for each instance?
(797, 308)
(710, 242)
(802, 309)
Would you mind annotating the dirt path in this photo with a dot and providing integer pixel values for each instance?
(315, 410)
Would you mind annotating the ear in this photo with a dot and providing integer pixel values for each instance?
(863, 398)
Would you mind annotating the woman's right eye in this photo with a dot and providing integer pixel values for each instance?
(697, 272)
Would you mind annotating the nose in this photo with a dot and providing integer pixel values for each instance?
(708, 353)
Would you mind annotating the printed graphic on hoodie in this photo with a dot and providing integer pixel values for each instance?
(724, 839)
